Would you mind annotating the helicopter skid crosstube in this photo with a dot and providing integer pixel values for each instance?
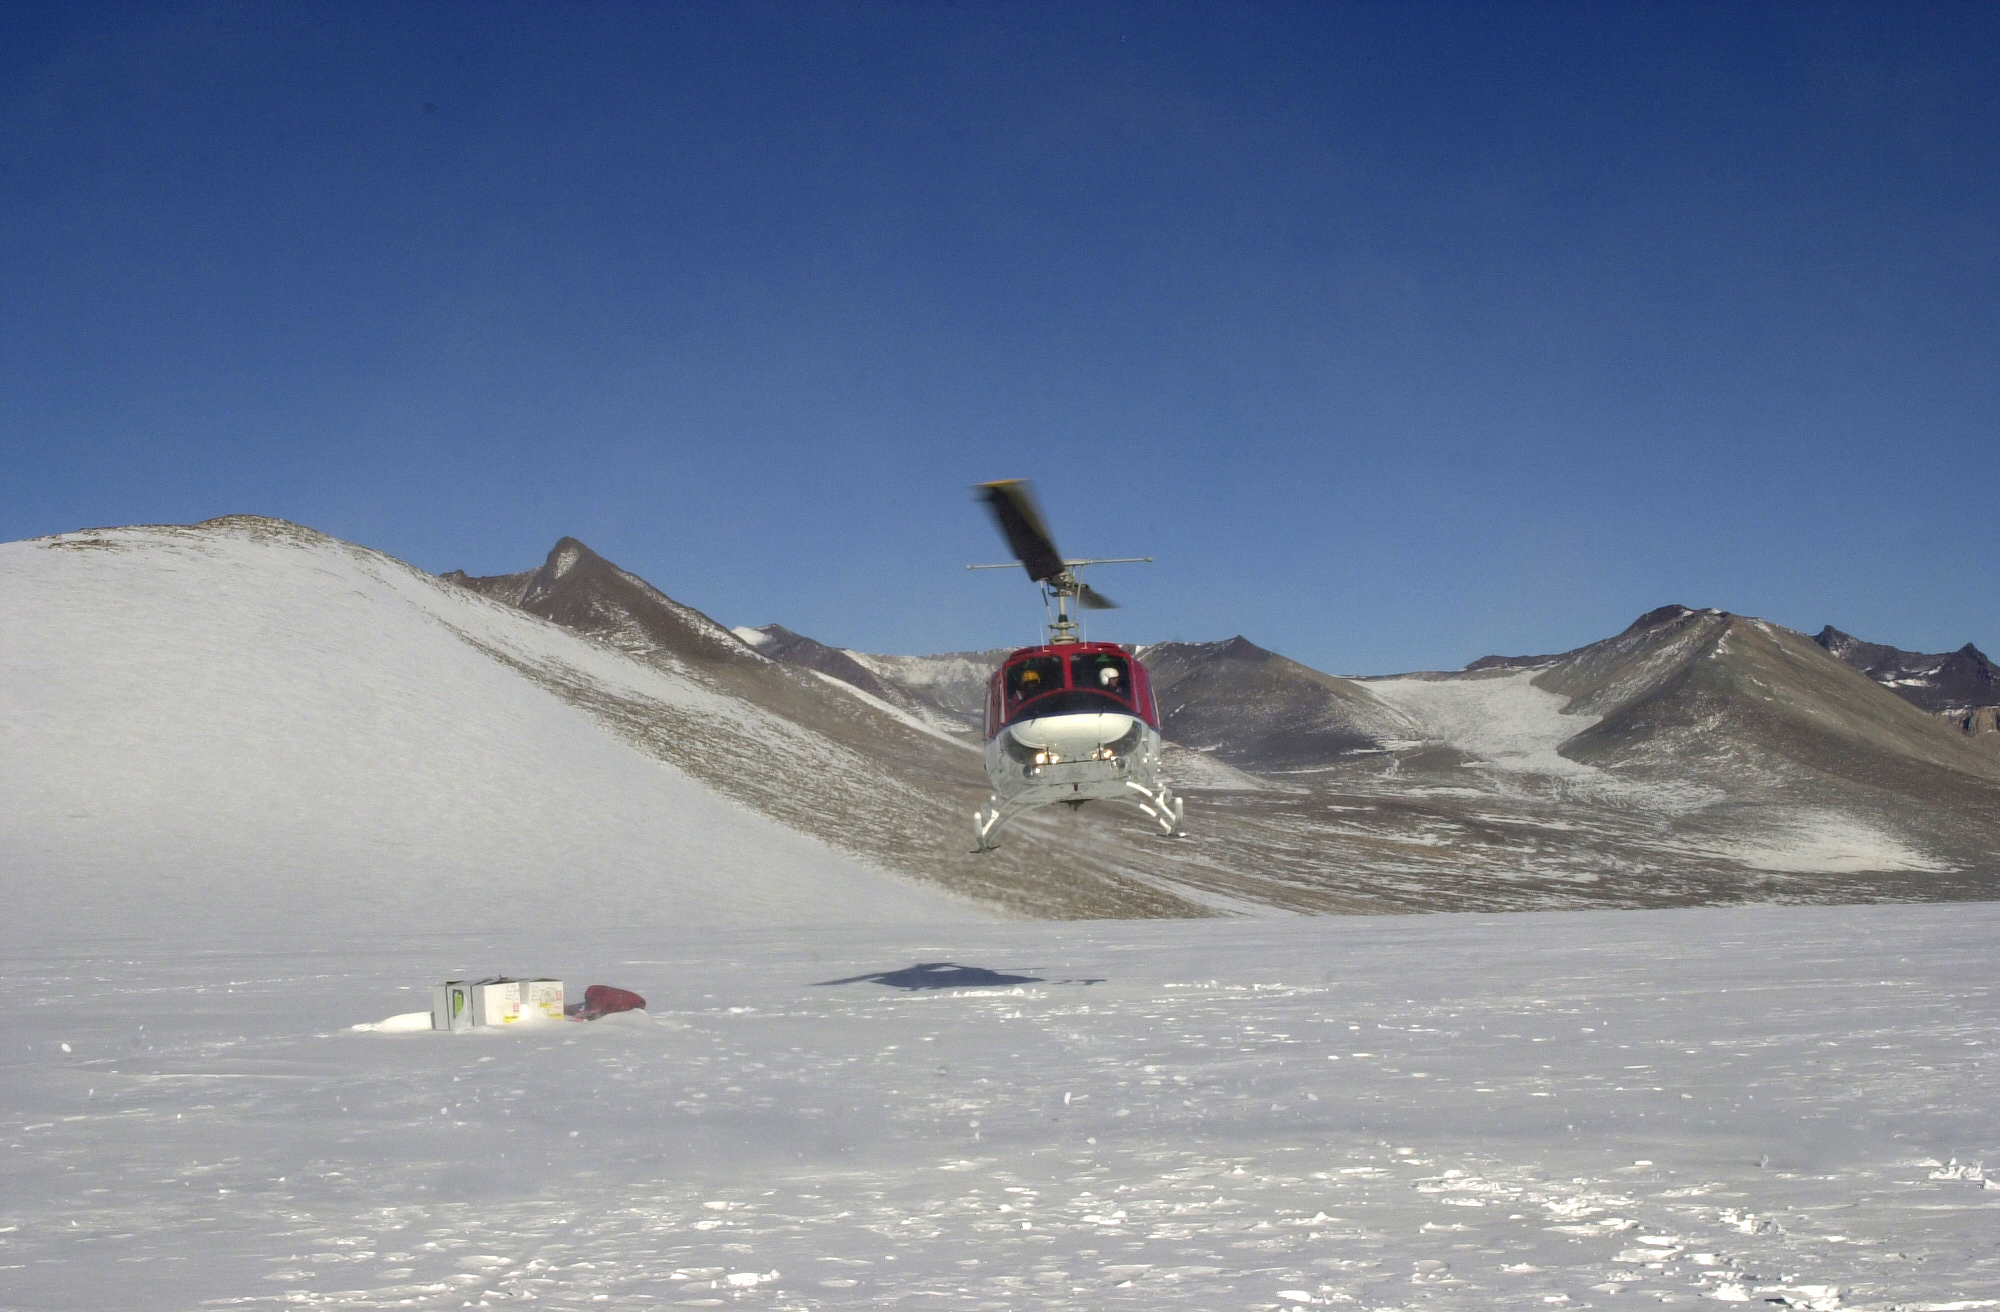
(1159, 803)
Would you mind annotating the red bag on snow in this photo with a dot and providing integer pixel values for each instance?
(603, 1000)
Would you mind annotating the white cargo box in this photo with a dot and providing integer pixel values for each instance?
(541, 999)
(451, 1005)
(496, 1002)
(461, 1004)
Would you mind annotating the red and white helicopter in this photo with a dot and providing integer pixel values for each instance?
(1068, 721)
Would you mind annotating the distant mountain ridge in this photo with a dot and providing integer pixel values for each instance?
(781, 644)
(1944, 683)
(1747, 739)
(579, 589)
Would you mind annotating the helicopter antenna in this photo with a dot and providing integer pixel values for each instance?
(1012, 504)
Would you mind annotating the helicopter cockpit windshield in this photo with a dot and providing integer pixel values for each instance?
(1093, 682)
(1032, 678)
(1102, 672)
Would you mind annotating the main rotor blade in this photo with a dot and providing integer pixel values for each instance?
(1091, 599)
(1013, 505)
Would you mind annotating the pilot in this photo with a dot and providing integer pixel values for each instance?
(1108, 676)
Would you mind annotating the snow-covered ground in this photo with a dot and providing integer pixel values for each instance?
(1546, 1110)
(253, 724)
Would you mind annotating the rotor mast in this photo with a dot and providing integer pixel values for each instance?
(1064, 585)
(1020, 522)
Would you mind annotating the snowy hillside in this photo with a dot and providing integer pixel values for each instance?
(244, 723)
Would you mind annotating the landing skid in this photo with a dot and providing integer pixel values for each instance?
(1159, 803)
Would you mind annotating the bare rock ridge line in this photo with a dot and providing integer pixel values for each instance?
(1960, 687)
(781, 644)
(578, 589)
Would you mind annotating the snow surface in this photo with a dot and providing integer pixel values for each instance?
(1502, 718)
(1531, 1110)
(947, 671)
(1184, 767)
(1826, 841)
(896, 712)
(255, 725)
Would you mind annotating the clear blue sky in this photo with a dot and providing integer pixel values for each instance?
(1399, 333)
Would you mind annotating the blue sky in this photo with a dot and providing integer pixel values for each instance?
(1399, 333)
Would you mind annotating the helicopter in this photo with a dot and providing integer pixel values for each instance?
(1069, 721)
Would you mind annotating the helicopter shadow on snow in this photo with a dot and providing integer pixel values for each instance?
(947, 975)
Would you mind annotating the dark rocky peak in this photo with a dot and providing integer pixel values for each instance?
(1942, 682)
(781, 644)
(778, 639)
(1663, 619)
(1670, 616)
(1514, 662)
(1188, 654)
(566, 556)
(581, 590)
(1240, 648)
(1870, 657)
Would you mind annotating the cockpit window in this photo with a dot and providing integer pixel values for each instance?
(1032, 678)
(1102, 671)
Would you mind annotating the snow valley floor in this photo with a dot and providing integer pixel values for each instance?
(1581, 1109)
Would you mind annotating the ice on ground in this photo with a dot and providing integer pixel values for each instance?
(1184, 767)
(1443, 1112)
(1828, 842)
(404, 1022)
(1502, 718)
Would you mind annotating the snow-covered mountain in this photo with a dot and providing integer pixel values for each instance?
(953, 680)
(248, 724)
(820, 755)
(379, 779)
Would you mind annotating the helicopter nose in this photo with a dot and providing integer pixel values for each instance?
(1072, 736)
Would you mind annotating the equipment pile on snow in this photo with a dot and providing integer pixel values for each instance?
(468, 1004)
